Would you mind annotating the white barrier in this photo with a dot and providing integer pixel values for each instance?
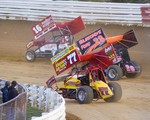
(48, 100)
(57, 114)
(92, 12)
(45, 99)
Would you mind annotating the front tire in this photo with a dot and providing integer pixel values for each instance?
(114, 72)
(117, 91)
(30, 56)
(84, 95)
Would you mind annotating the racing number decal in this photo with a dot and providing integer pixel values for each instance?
(98, 41)
(104, 91)
(65, 59)
(37, 29)
(130, 68)
(72, 58)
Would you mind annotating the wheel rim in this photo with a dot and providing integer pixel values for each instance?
(29, 56)
(112, 73)
(81, 95)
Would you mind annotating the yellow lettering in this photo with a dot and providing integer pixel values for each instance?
(60, 65)
(111, 56)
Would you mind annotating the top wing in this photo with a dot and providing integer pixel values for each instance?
(65, 59)
(43, 27)
(48, 24)
(97, 39)
(91, 41)
(74, 26)
(126, 40)
(103, 58)
(69, 56)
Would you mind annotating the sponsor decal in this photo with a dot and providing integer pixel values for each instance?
(43, 27)
(51, 81)
(65, 59)
(91, 41)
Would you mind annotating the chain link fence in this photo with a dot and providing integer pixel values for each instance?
(14, 109)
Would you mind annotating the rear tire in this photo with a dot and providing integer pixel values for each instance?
(114, 72)
(30, 56)
(117, 91)
(84, 95)
(137, 74)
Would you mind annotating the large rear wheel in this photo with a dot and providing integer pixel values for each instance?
(114, 72)
(117, 92)
(84, 95)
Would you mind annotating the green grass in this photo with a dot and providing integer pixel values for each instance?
(30, 111)
(33, 112)
(37, 113)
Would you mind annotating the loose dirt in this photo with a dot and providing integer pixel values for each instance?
(135, 102)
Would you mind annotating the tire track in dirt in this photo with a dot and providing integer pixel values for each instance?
(135, 102)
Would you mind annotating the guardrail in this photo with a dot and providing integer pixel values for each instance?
(91, 12)
(42, 98)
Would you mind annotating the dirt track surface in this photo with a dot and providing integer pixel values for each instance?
(135, 102)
